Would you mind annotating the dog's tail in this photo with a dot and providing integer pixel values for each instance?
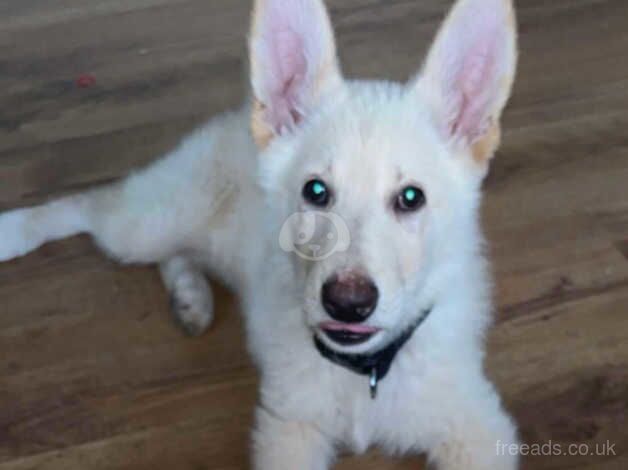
(24, 230)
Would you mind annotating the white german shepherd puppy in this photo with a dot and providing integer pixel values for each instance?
(345, 214)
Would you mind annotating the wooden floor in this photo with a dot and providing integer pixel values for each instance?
(93, 373)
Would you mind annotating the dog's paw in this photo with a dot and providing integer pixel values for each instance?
(15, 237)
(192, 304)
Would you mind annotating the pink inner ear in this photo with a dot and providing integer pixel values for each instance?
(475, 85)
(289, 65)
(292, 43)
(470, 65)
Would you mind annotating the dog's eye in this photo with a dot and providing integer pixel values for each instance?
(316, 192)
(410, 199)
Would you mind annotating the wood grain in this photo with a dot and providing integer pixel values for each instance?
(93, 374)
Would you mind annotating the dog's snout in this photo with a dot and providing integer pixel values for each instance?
(350, 298)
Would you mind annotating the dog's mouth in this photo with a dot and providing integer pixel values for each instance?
(346, 334)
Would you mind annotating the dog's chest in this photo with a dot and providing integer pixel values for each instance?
(398, 419)
(360, 421)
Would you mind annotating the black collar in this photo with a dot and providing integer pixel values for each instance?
(375, 365)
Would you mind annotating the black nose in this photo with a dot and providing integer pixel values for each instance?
(349, 298)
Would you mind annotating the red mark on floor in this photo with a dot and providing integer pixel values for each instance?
(85, 81)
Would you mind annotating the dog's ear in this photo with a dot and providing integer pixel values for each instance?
(293, 63)
(469, 72)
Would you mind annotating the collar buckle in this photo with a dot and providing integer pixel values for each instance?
(373, 381)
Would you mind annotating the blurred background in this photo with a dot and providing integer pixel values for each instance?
(93, 373)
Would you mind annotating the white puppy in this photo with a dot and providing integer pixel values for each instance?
(345, 214)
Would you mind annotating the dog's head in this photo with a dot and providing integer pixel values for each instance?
(377, 183)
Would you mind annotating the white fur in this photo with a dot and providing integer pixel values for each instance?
(217, 204)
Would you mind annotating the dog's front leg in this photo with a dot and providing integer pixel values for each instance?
(190, 294)
(289, 445)
(474, 432)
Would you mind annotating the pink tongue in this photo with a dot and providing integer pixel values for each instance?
(360, 329)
